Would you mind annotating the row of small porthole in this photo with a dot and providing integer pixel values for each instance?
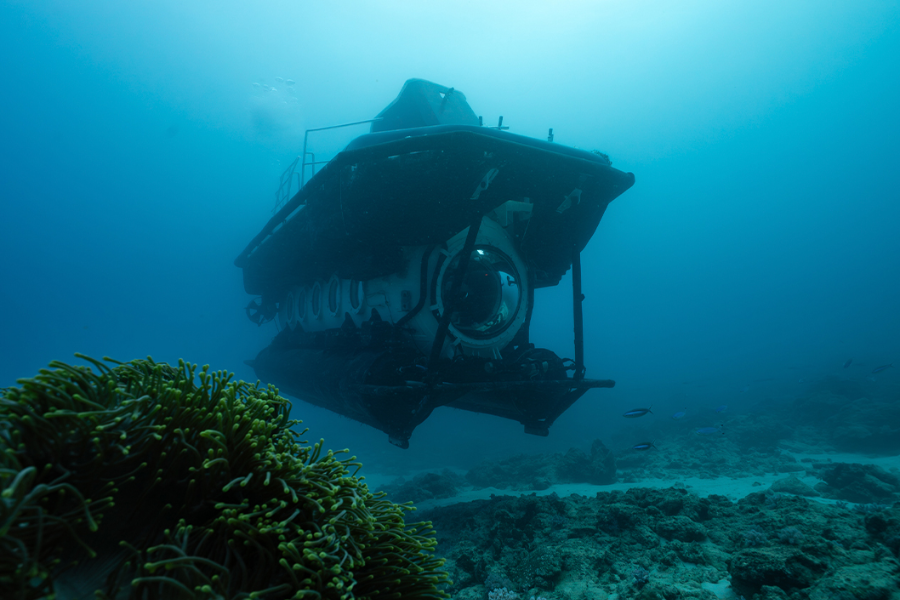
(313, 299)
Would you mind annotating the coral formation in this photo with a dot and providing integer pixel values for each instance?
(754, 537)
(144, 480)
(859, 483)
(737, 453)
(425, 486)
(640, 577)
(850, 415)
(792, 485)
(791, 536)
(542, 471)
(797, 548)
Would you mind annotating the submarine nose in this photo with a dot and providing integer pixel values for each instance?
(490, 295)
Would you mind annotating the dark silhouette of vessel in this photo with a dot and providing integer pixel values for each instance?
(402, 274)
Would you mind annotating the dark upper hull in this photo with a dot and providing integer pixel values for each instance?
(418, 186)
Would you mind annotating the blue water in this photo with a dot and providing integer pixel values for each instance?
(758, 250)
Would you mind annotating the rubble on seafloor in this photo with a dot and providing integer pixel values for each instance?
(648, 543)
(822, 525)
(838, 539)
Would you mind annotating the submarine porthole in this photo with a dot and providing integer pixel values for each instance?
(301, 304)
(334, 296)
(315, 301)
(356, 295)
(289, 316)
(490, 295)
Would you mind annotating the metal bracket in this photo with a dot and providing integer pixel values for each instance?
(450, 304)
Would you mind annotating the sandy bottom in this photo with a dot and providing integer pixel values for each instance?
(733, 488)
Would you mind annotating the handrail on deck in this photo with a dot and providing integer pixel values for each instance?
(283, 193)
(306, 139)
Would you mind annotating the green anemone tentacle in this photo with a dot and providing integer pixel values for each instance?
(147, 480)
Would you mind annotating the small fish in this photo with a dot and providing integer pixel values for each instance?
(289, 82)
(847, 364)
(636, 412)
(722, 408)
(679, 414)
(643, 446)
(882, 368)
(708, 430)
(745, 389)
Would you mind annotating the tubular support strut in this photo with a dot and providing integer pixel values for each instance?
(450, 305)
(577, 314)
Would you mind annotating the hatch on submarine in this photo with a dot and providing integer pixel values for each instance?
(401, 276)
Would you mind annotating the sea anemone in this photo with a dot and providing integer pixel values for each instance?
(145, 480)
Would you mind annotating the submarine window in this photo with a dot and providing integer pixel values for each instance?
(334, 296)
(490, 294)
(301, 304)
(315, 301)
(290, 317)
(356, 295)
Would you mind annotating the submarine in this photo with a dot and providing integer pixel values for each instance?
(402, 275)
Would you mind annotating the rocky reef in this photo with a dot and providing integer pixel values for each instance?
(862, 484)
(847, 415)
(425, 486)
(668, 544)
(539, 472)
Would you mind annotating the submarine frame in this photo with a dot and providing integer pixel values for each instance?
(402, 274)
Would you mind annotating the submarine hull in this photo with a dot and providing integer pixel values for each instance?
(402, 274)
(366, 383)
(387, 191)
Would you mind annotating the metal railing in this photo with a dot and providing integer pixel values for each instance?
(285, 184)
